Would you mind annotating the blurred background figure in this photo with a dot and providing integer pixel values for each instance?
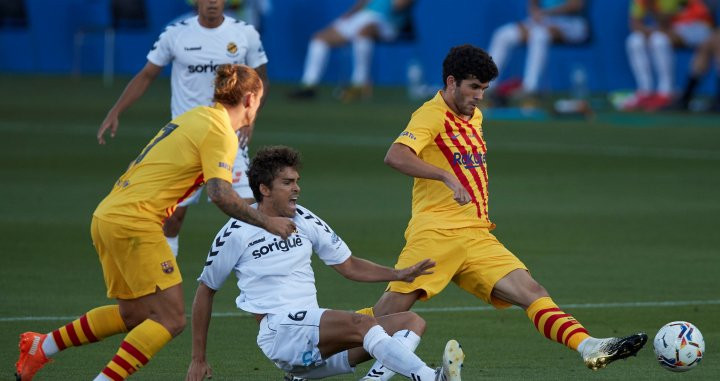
(658, 26)
(700, 65)
(548, 22)
(195, 47)
(366, 22)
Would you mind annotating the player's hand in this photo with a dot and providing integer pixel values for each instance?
(111, 123)
(198, 371)
(280, 226)
(460, 194)
(409, 274)
(244, 135)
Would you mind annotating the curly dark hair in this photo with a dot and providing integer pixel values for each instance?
(266, 165)
(469, 62)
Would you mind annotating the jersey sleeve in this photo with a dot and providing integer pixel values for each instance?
(329, 247)
(420, 131)
(161, 53)
(217, 154)
(225, 252)
(256, 53)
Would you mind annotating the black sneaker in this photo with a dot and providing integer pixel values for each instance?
(604, 351)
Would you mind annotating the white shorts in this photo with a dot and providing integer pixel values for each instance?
(291, 342)
(692, 34)
(349, 27)
(240, 182)
(573, 29)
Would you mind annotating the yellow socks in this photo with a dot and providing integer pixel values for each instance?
(94, 326)
(139, 346)
(555, 324)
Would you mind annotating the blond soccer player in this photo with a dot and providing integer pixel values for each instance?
(139, 268)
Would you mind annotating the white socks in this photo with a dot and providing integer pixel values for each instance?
(503, 40)
(406, 337)
(49, 346)
(394, 355)
(640, 50)
(174, 243)
(538, 44)
(637, 51)
(662, 55)
(317, 57)
(362, 57)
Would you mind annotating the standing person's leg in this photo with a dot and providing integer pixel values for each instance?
(504, 39)
(637, 51)
(662, 57)
(317, 58)
(539, 39)
(166, 320)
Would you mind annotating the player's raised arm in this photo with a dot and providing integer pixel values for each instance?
(362, 270)
(201, 315)
(133, 91)
(222, 195)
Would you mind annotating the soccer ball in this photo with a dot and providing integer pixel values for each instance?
(679, 346)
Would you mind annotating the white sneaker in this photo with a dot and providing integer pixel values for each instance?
(601, 352)
(290, 377)
(452, 362)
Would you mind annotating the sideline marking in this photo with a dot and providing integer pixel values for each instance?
(435, 309)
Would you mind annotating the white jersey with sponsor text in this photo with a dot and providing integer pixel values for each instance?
(274, 275)
(195, 53)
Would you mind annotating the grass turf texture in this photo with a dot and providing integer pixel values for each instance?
(600, 211)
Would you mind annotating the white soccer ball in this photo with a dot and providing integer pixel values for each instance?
(679, 346)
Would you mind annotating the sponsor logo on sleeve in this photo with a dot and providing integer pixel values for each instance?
(408, 134)
(225, 165)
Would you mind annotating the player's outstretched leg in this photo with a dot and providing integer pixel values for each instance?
(559, 326)
(597, 353)
(36, 348)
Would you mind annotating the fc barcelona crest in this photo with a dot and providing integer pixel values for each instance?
(167, 267)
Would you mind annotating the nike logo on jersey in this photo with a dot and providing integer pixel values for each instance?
(191, 48)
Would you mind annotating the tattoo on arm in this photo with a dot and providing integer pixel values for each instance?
(222, 194)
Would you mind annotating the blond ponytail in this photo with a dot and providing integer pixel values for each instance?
(233, 81)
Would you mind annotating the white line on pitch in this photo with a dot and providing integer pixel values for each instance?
(437, 309)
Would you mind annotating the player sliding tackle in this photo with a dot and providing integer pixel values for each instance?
(278, 287)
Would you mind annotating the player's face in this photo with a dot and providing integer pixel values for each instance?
(282, 200)
(210, 9)
(466, 94)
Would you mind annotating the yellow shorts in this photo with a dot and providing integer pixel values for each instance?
(471, 257)
(135, 263)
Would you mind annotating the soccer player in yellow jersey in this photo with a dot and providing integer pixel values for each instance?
(138, 266)
(444, 150)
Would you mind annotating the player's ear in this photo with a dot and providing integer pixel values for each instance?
(264, 190)
(247, 99)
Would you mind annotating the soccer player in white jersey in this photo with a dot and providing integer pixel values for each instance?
(195, 47)
(278, 287)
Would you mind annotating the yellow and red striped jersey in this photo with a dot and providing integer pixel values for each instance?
(441, 138)
(194, 147)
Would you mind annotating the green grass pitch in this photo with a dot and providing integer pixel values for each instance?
(613, 216)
